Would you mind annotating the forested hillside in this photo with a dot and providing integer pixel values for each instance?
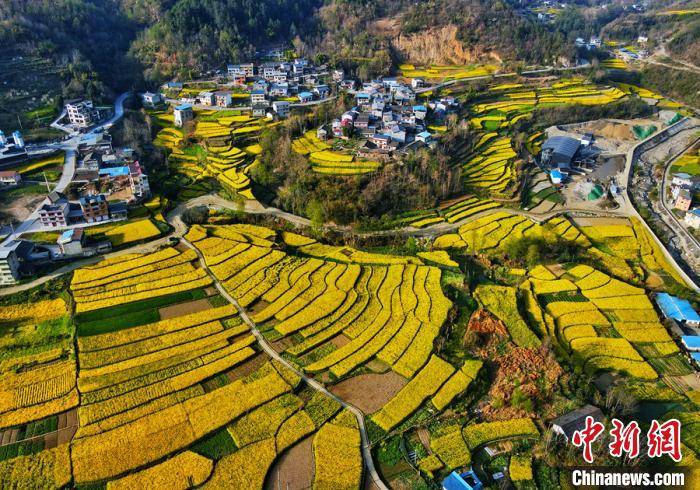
(111, 44)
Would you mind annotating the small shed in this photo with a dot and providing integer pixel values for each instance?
(569, 423)
(556, 177)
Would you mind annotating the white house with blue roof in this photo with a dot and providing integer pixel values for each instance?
(182, 114)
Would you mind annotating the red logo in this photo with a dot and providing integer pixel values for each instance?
(665, 439)
(587, 436)
(625, 439)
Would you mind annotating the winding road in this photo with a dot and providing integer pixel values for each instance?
(70, 146)
(359, 416)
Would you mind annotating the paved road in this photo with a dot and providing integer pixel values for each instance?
(366, 447)
(626, 202)
(70, 146)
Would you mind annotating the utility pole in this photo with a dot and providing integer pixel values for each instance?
(48, 190)
(19, 121)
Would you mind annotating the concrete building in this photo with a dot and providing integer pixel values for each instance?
(150, 99)
(281, 107)
(692, 218)
(10, 178)
(684, 200)
(462, 481)
(81, 113)
(9, 263)
(182, 114)
(71, 242)
(94, 208)
(54, 213)
(17, 138)
(223, 99)
(257, 97)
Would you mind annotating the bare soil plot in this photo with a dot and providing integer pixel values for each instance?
(369, 392)
(180, 309)
(23, 206)
(294, 469)
(247, 367)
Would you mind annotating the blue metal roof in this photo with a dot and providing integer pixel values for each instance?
(691, 341)
(425, 134)
(115, 171)
(676, 308)
(183, 107)
(455, 481)
(306, 95)
(695, 356)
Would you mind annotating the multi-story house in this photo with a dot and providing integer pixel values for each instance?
(9, 263)
(81, 113)
(54, 212)
(140, 187)
(257, 97)
(281, 108)
(223, 99)
(245, 69)
(94, 208)
(182, 114)
(206, 98)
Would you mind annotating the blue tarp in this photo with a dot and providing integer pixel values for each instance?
(677, 308)
(695, 356)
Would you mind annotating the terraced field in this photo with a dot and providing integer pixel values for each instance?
(382, 307)
(324, 160)
(225, 151)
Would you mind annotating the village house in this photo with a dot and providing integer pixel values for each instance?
(257, 97)
(692, 218)
(243, 69)
(150, 99)
(10, 178)
(81, 113)
(305, 97)
(223, 99)
(684, 200)
(94, 208)
(54, 212)
(183, 114)
(281, 108)
(260, 110)
(206, 98)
